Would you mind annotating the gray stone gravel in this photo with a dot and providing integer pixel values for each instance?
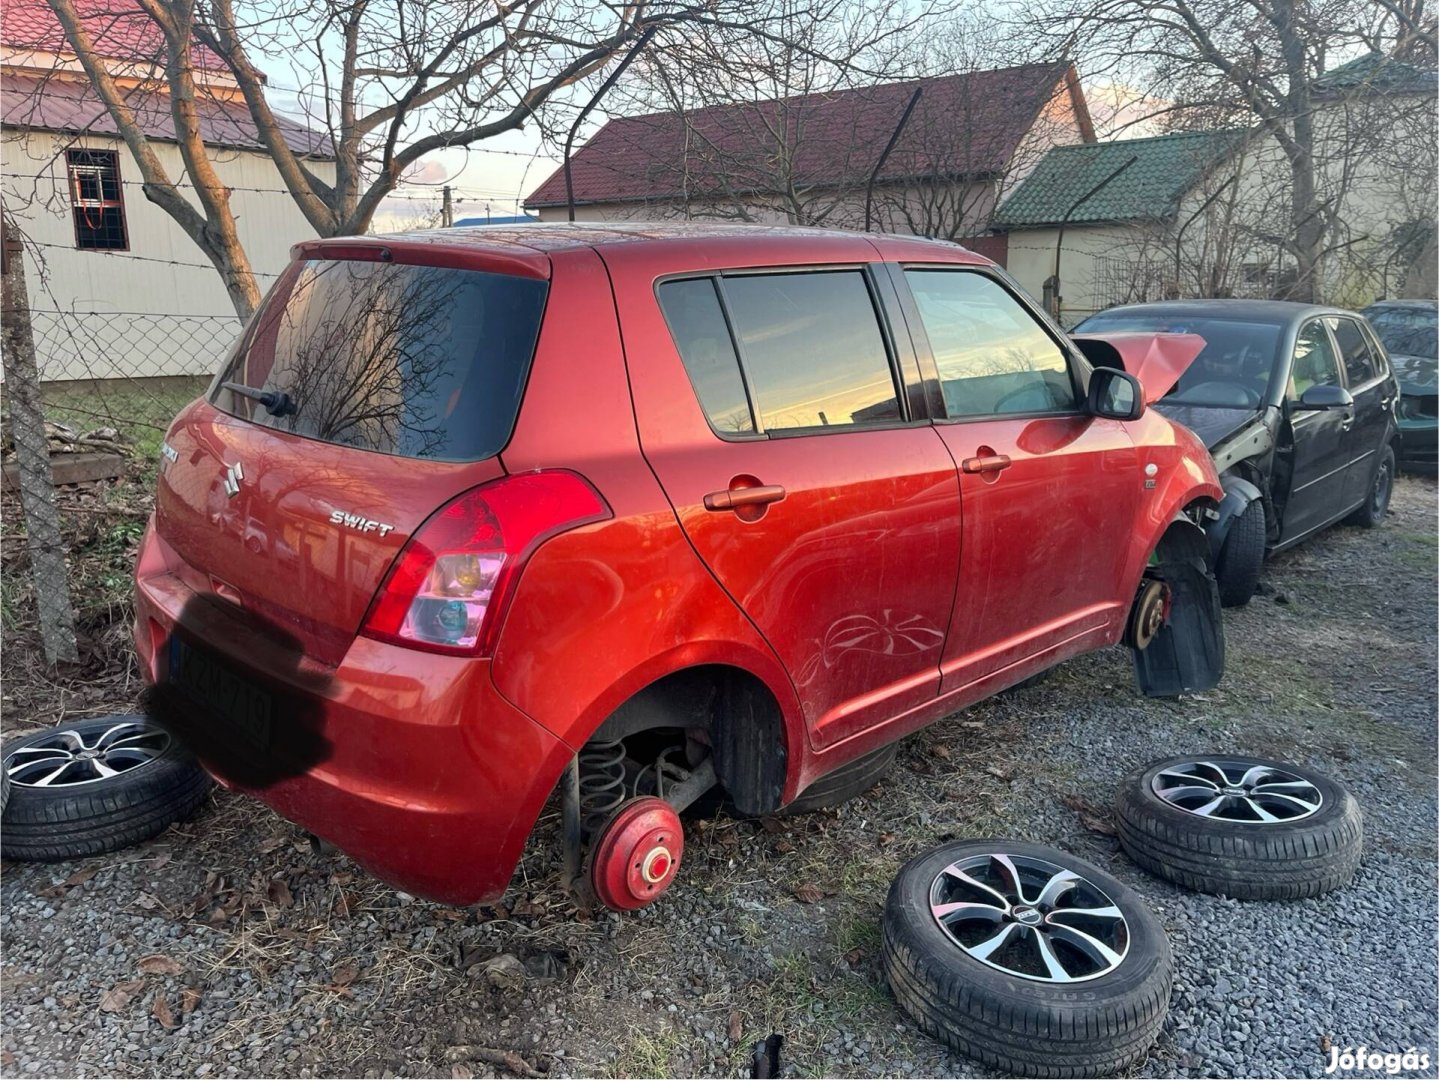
(1334, 666)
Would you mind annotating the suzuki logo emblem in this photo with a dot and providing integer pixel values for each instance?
(233, 475)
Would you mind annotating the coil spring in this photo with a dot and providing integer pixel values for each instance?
(602, 782)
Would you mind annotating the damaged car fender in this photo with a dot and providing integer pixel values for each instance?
(1182, 495)
(1177, 474)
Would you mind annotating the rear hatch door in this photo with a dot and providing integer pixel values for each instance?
(401, 384)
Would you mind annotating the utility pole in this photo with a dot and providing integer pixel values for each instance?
(447, 209)
(32, 450)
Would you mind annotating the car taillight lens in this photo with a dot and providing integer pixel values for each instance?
(447, 590)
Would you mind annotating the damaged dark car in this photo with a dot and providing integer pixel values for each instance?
(1410, 332)
(1297, 404)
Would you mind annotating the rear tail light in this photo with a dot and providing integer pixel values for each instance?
(448, 589)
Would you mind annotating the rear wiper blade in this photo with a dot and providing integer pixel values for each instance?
(277, 403)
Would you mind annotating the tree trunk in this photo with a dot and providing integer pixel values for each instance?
(37, 484)
(1308, 225)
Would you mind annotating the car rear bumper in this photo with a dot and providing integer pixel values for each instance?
(411, 763)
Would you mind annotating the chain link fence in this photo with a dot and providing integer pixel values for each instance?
(131, 371)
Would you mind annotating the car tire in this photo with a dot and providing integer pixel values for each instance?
(152, 783)
(1096, 1024)
(1242, 557)
(1381, 489)
(845, 782)
(1240, 855)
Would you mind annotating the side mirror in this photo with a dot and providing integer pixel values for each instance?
(1115, 395)
(1323, 397)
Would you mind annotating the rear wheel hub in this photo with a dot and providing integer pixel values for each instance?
(636, 854)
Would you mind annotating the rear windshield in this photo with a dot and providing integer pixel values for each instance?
(417, 361)
(1407, 331)
(1234, 369)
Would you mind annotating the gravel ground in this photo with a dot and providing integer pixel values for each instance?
(225, 947)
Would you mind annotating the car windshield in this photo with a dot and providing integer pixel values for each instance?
(1233, 370)
(1407, 331)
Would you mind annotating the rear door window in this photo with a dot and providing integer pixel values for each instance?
(417, 361)
(697, 324)
(993, 357)
(806, 352)
(812, 349)
(1354, 349)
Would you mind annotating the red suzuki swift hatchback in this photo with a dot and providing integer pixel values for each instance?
(473, 515)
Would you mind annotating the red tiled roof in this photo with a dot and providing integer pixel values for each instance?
(70, 105)
(120, 30)
(964, 125)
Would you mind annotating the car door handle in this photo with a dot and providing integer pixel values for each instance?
(992, 463)
(735, 498)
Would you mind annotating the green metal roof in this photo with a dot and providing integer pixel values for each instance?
(1165, 167)
(1378, 74)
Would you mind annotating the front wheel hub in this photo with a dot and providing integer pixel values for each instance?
(636, 854)
(1151, 611)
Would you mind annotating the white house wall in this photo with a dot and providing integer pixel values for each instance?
(1091, 256)
(181, 311)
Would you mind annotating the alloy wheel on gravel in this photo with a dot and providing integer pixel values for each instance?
(1240, 826)
(1027, 959)
(93, 786)
(1029, 917)
(70, 755)
(1237, 791)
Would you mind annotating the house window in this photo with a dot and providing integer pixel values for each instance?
(96, 201)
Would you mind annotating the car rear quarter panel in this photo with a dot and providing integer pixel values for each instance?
(605, 610)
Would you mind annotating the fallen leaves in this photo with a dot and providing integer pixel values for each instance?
(279, 893)
(159, 964)
(79, 877)
(808, 893)
(344, 975)
(736, 1026)
(160, 1010)
(190, 999)
(120, 995)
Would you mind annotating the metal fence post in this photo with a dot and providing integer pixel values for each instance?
(32, 449)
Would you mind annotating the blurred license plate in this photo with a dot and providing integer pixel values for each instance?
(244, 705)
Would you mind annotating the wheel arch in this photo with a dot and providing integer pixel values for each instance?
(745, 704)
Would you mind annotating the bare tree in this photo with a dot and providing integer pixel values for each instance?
(774, 133)
(390, 83)
(1247, 62)
(737, 125)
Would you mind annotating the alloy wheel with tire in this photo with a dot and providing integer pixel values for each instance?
(1376, 505)
(1241, 827)
(1242, 557)
(1026, 959)
(87, 787)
